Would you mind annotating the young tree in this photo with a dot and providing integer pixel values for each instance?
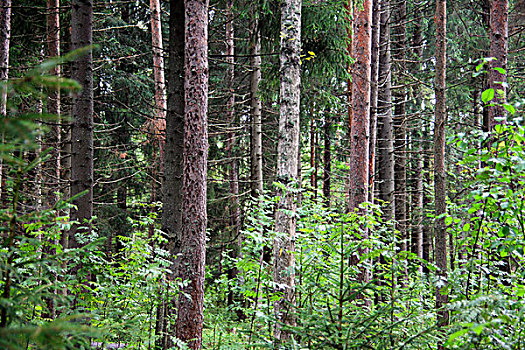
(192, 257)
(256, 107)
(439, 159)
(287, 161)
(82, 114)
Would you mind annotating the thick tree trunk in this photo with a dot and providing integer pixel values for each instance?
(439, 159)
(360, 130)
(374, 78)
(385, 144)
(287, 169)
(173, 160)
(5, 39)
(82, 115)
(399, 98)
(256, 110)
(498, 35)
(190, 316)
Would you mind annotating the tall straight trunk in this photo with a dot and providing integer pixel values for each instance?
(439, 159)
(287, 166)
(233, 167)
(158, 75)
(360, 130)
(385, 144)
(418, 151)
(374, 78)
(256, 109)
(313, 155)
(190, 306)
(5, 39)
(400, 147)
(173, 160)
(53, 100)
(327, 160)
(82, 115)
(498, 35)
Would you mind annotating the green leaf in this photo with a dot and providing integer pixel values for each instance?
(500, 70)
(487, 95)
(478, 328)
(455, 335)
(510, 108)
(466, 227)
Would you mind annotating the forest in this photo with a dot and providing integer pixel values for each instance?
(264, 174)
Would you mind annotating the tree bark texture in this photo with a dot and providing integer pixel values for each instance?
(385, 144)
(190, 318)
(374, 77)
(360, 131)
(287, 169)
(5, 38)
(439, 159)
(173, 160)
(256, 110)
(82, 114)
(498, 35)
(159, 121)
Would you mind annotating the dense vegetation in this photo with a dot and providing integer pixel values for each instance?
(364, 276)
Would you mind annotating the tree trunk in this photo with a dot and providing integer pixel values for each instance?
(439, 159)
(360, 130)
(399, 97)
(190, 316)
(173, 160)
(499, 12)
(385, 143)
(82, 115)
(313, 155)
(256, 109)
(376, 18)
(233, 167)
(158, 76)
(327, 160)
(287, 161)
(5, 39)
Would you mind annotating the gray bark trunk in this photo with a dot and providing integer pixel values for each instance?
(287, 161)
(5, 39)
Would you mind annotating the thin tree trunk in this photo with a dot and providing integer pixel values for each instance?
(255, 111)
(498, 35)
(173, 160)
(439, 160)
(190, 306)
(399, 97)
(327, 160)
(385, 143)
(233, 168)
(376, 19)
(5, 39)
(313, 155)
(82, 115)
(159, 121)
(287, 167)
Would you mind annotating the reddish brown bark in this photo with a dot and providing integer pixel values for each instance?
(190, 306)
